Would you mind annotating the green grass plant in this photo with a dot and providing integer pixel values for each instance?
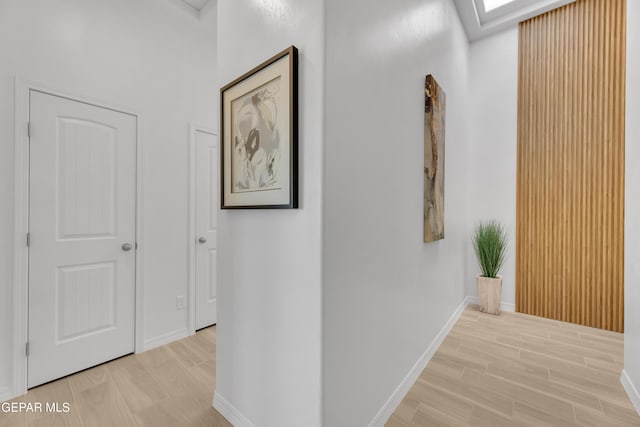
(490, 240)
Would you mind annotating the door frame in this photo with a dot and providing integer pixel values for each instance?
(21, 224)
(193, 129)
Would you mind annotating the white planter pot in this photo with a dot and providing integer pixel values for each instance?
(489, 294)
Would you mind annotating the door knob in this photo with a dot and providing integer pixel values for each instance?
(127, 247)
(202, 240)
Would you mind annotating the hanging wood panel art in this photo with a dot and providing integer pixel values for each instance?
(434, 127)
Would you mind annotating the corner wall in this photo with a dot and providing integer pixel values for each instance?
(493, 143)
(494, 94)
(386, 294)
(143, 55)
(632, 208)
(269, 263)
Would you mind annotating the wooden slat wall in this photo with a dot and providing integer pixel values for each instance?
(570, 189)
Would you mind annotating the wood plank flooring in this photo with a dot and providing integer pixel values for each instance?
(520, 370)
(169, 386)
(511, 370)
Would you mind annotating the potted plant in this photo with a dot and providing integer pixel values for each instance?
(490, 243)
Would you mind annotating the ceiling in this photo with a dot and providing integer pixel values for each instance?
(481, 21)
(480, 18)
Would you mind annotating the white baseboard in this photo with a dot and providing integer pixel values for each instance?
(504, 306)
(631, 390)
(233, 415)
(507, 306)
(165, 339)
(403, 388)
(6, 394)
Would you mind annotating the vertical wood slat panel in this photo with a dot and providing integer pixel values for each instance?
(570, 180)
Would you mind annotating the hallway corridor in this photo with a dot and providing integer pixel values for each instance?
(520, 370)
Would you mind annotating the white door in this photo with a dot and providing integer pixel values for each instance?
(82, 228)
(206, 228)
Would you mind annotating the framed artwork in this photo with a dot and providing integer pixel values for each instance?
(434, 126)
(259, 136)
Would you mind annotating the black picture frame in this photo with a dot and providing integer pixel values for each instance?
(258, 182)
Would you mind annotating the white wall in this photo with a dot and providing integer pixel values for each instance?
(632, 202)
(386, 293)
(269, 277)
(145, 55)
(493, 143)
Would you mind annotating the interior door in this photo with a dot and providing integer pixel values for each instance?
(206, 228)
(82, 236)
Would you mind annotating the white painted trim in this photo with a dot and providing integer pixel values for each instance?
(140, 249)
(405, 385)
(21, 227)
(504, 306)
(164, 339)
(5, 394)
(193, 128)
(631, 390)
(507, 306)
(233, 415)
(21, 221)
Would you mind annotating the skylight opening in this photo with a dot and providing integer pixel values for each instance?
(490, 5)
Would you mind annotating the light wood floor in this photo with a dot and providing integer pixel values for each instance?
(169, 386)
(519, 370)
(512, 370)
